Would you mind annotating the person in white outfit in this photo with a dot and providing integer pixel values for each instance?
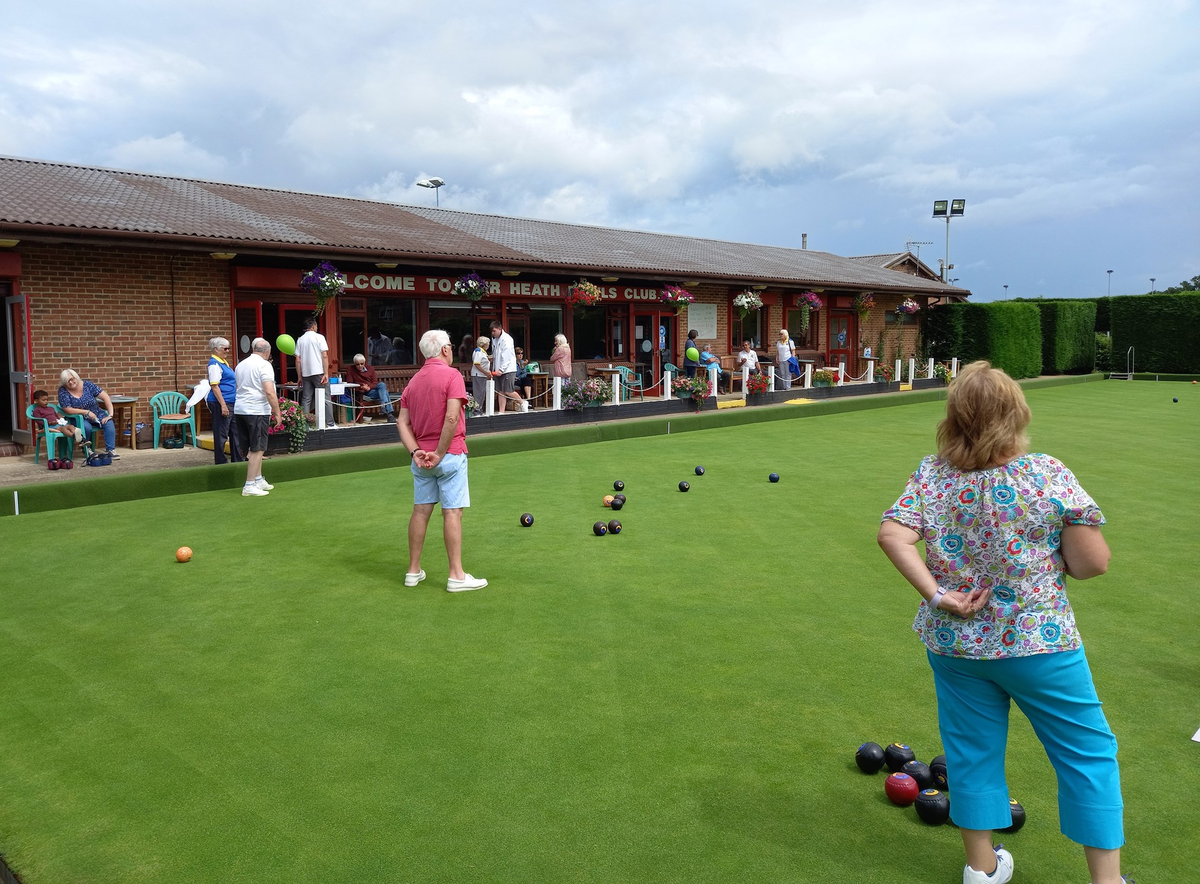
(785, 349)
(312, 361)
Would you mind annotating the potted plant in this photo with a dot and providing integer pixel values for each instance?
(583, 294)
(746, 302)
(824, 377)
(883, 373)
(324, 281)
(676, 296)
(695, 388)
(471, 286)
(590, 393)
(809, 302)
(294, 425)
(864, 303)
(756, 384)
(941, 371)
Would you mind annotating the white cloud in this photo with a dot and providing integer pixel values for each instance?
(169, 155)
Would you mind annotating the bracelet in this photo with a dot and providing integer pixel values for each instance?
(937, 599)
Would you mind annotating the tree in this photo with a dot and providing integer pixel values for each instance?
(1188, 285)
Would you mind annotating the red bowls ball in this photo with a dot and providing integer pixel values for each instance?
(901, 789)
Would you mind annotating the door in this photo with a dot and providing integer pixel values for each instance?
(289, 320)
(653, 333)
(247, 325)
(16, 310)
(843, 339)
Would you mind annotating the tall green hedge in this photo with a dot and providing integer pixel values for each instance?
(1006, 333)
(1164, 331)
(1068, 336)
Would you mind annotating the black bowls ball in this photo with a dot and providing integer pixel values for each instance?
(617, 503)
(618, 485)
(919, 771)
(526, 519)
(937, 767)
(869, 758)
(896, 755)
(600, 529)
(1018, 817)
(774, 477)
(614, 527)
(699, 471)
(684, 486)
(933, 807)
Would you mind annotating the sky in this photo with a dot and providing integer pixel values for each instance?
(1070, 127)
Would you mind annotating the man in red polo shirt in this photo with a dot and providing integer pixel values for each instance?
(433, 428)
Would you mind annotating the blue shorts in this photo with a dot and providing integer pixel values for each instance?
(1056, 693)
(445, 484)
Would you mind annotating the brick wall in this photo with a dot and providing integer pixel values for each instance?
(107, 313)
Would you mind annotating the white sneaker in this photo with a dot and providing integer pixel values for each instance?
(1002, 875)
(252, 490)
(414, 579)
(524, 405)
(467, 583)
(260, 482)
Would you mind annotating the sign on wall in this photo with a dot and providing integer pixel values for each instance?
(703, 318)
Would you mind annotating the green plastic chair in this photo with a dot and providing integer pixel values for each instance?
(168, 411)
(631, 382)
(40, 428)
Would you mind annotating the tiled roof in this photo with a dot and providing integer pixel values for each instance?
(43, 197)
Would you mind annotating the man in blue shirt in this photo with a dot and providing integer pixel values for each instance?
(707, 358)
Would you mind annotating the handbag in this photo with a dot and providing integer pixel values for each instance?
(99, 459)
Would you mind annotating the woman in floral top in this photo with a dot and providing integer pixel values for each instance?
(77, 396)
(1003, 529)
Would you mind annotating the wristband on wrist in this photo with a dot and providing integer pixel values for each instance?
(936, 601)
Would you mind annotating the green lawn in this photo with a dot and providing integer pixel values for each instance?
(680, 702)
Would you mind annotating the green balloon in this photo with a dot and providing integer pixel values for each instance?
(693, 354)
(286, 344)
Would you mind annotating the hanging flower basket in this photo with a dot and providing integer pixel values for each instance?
(809, 302)
(864, 303)
(747, 302)
(471, 286)
(676, 297)
(907, 307)
(324, 281)
(583, 294)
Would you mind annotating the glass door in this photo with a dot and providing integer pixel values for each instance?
(843, 334)
(247, 325)
(16, 310)
(653, 333)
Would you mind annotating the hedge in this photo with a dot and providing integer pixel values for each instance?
(1006, 333)
(1164, 331)
(1068, 336)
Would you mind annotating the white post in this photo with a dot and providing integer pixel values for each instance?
(616, 387)
(870, 371)
(912, 369)
(320, 408)
(713, 377)
(771, 381)
(841, 373)
(897, 376)
(808, 375)
(929, 369)
(489, 407)
(556, 396)
(954, 367)
(745, 379)
(667, 392)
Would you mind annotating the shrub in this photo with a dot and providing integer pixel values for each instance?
(1103, 352)
(1007, 333)
(1068, 336)
(1162, 329)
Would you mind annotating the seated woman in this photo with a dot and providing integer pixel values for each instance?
(77, 396)
(560, 359)
(524, 383)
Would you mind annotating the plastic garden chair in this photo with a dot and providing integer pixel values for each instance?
(168, 411)
(40, 428)
(631, 382)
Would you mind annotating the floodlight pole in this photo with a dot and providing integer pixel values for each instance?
(1109, 272)
(948, 209)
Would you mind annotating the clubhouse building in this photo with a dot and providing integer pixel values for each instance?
(124, 277)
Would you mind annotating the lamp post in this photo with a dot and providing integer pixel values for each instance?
(1152, 284)
(435, 183)
(948, 209)
(1006, 290)
(1109, 272)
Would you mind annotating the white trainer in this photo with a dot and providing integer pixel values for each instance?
(260, 482)
(467, 583)
(1002, 875)
(414, 579)
(252, 490)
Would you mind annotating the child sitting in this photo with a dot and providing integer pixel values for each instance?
(56, 423)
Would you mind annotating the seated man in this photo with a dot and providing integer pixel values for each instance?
(707, 358)
(370, 386)
(747, 357)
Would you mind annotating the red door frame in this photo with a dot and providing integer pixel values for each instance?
(846, 349)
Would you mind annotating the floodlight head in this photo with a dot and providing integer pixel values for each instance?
(939, 208)
(957, 207)
(430, 182)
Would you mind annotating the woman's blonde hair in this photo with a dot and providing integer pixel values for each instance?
(560, 340)
(986, 417)
(68, 375)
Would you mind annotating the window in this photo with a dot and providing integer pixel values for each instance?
(805, 340)
(891, 317)
(455, 320)
(544, 324)
(591, 328)
(395, 318)
(740, 329)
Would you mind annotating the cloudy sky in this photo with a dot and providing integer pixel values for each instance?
(1071, 127)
